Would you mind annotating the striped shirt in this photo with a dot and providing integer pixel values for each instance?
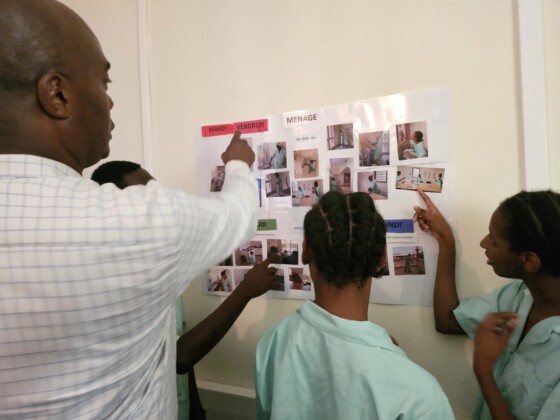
(89, 277)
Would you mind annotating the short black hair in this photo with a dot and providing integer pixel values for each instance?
(346, 237)
(419, 135)
(114, 172)
(532, 224)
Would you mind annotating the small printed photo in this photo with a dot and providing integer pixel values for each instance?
(249, 253)
(299, 280)
(340, 136)
(227, 262)
(424, 178)
(412, 140)
(272, 155)
(306, 163)
(219, 280)
(374, 148)
(408, 260)
(279, 284)
(281, 251)
(277, 184)
(217, 178)
(307, 193)
(239, 275)
(340, 174)
(374, 183)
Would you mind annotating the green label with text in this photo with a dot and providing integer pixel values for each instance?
(266, 224)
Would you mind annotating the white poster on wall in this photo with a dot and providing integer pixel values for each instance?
(387, 147)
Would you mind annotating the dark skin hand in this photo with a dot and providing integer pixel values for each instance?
(197, 342)
(491, 340)
(238, 149)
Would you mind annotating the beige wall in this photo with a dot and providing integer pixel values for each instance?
(217, 61)
(551, 32)
(115, 24)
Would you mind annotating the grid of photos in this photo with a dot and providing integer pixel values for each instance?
(345, 149)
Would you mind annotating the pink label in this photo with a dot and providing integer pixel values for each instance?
(217, 130)
(256, 126)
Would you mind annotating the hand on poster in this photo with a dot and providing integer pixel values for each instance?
(431, 220)
(258, 280)
(238, 149)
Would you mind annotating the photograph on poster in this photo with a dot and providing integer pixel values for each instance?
(217, 178)
(281, 251)
(408, 260)
(340, 174)
(307, 193)
(306, 163)
(412, 140)
(420, 177)
(374, 148)
(374, 183)
(219, 280)
(272, 155)
(279, 284)
(239, 275)
(299, 280)
(340, 136)
(249, 253)
(277, 184)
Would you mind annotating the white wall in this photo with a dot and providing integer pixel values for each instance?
(115, 24)
(217, 60)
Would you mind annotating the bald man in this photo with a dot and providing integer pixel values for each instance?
(89, 275)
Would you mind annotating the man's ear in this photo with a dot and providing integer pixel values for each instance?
(531, 262)
(52, 93)
(305, 255)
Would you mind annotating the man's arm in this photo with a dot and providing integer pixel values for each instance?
(492, 336)
(197, 342)
(445, 290)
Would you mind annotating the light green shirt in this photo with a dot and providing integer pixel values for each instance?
(314, 365)
(528, 373)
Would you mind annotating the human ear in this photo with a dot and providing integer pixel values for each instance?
(531, 262)
(52, 94)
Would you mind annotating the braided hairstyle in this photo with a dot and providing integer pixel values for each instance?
(346, 236)
(532, 224)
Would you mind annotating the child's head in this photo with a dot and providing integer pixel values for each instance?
(418, 136)
(532, 224)
(345, 236)
(122, 173)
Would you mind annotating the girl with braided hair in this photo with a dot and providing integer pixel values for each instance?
(327, 361)
(516, 327)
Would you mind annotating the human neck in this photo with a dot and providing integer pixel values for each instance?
(545, 290)
(349, 302)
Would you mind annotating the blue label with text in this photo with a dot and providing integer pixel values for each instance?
(399, 226)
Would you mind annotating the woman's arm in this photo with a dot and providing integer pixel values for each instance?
(445, 290)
